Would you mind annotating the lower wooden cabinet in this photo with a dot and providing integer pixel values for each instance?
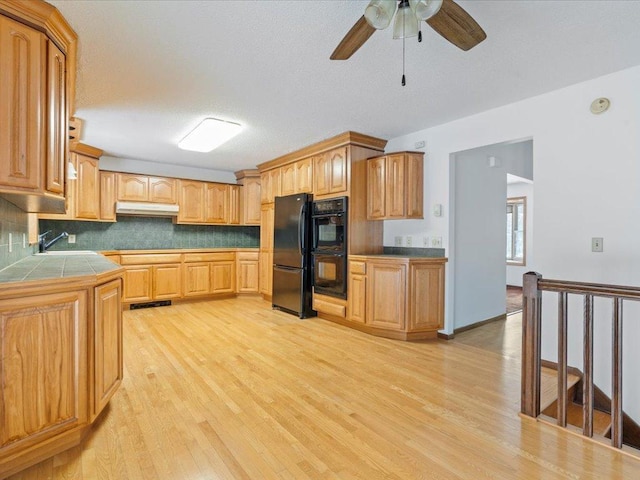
(61, 364)
(171, 274)
(151, 276)
(107, 344)
(247, 269)
(396, 297)
(44, 369)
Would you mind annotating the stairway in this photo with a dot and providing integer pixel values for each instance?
(601, 415)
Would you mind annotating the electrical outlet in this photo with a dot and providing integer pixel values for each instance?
(10, 242)
(425, 242)
(597, 244)
(436, 242)
(409, 242)
(397, 241)
(71, 238)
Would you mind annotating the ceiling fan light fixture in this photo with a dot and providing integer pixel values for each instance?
(406, 23)
(379, 13)
(209, 134)
(425, 9)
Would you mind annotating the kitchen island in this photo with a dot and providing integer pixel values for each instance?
(61, 344)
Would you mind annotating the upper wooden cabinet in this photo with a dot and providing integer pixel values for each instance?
(208, 203)
(296, 177)
(330, 172)
(249, 196)
(91, 196)
(37, 61)
(394, 186)
(271, 185)
(143, 188)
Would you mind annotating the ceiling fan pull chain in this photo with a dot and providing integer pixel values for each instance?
(404, 81)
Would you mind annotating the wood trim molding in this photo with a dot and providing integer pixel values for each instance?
(87, 150)
(249, 173)
(479, 324)
(446, 336)
(346, 138)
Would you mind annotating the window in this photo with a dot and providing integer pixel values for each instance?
(516, 220)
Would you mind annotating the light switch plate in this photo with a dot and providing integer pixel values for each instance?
(72, 238)
(436, 242)
(597, 244)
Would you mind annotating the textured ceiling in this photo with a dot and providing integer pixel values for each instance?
(149, 71)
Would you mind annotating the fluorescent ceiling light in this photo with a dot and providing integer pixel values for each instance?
(209, 134)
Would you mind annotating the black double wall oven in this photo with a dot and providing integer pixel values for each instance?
(329, 247)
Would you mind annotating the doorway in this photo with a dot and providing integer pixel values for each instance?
(479, 191)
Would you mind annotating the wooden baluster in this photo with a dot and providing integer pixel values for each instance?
(531, 341)
(616, 375)
(587, 387)
(562, 359)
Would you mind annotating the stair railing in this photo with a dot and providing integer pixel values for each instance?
(533, 286)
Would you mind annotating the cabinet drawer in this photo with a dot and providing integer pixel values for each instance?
(357, 268)
(329, 307)
(208, 257)
(247, 256)
(150, 258)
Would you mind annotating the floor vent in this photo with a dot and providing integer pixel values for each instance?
(160, 303)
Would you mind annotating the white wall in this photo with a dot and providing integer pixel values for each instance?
(514, 273)
(587, 181)
(117, 164)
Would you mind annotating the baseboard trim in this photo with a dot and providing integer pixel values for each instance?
(445, 336)
(480, 324)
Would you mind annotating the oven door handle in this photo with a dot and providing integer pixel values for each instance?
(326, 215)
(320, 253)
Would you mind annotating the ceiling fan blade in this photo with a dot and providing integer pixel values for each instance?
(457, 26)
(353, 40)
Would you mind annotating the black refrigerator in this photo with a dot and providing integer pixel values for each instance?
(292, 274)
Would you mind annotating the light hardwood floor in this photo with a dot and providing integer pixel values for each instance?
(233, 390)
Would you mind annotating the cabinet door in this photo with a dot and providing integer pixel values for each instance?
(426, 297)
(137, 284)
(414, 182)
(251, 191)
(266, 227)
(233, 211)
(57, 119)
(321, 175)
(247, 269)
(338, 168)
(396, 192)
(223, 276)
(197, 279)
(107, 344)
(108, 196)
(304, 175)
(167, 281)
(133, 188)
(386, 295)
(22, 57)
(43, 368)
(266, 273)
(376, 187)
(357, 288)
(288, 179)
(191, 201)
(87, 188)
(162, 190)
(217, 203)
(266, 188)
(275, 176)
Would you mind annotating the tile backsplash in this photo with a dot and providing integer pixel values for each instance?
(14, 223)
(142, 233)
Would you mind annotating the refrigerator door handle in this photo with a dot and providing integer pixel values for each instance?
(301, 229)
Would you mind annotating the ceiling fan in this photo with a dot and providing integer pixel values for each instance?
(445, 16)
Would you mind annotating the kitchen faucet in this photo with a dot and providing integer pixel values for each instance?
(42, 245)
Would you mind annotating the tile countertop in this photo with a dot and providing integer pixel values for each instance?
(37, 268)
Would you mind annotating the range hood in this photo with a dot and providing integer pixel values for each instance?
(147, 209)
